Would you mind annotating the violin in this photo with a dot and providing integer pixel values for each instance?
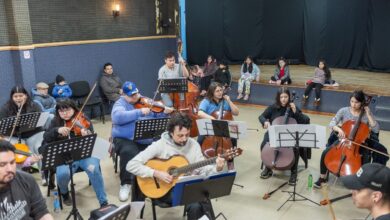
(344, 157)
(213, 145)
(78, 123)
(154, 106)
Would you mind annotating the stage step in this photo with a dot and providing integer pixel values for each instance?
(382, 112)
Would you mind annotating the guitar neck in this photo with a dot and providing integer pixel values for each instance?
(191, 167)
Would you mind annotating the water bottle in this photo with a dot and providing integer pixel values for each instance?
(310, 182)
(56, 203)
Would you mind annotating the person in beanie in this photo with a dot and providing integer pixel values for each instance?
(43, 99)
(371, 189)
(61, 88)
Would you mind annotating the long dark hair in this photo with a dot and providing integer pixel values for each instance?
(359, 95)
(210, 92)
(12, 107)
(326, 69)
(277, 62)
(280, 92)
(246, 67)
(64, 104)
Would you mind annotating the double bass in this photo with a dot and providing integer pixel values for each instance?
(344, 158)
(213, 145)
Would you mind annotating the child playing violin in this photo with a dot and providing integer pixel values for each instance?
(66, 115)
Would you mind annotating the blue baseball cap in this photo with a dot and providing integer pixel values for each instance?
(129, 88)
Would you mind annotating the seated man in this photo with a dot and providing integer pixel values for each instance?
(43, 99)
(371, 189)
(175, 141)
(20, 196)
(110, 84)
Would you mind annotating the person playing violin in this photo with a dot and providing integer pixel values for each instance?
(214, 100)
(279, 108)
(357, 100)
(371, 189)
(124, 116)
(21, 100)
(61, 128)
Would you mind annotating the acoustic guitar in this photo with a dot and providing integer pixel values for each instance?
(176, 166)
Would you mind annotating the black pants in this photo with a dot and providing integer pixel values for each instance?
(194, 210)
(317, 87)
(283, 81)
(126, 149)
(205, 82)
(367, 155)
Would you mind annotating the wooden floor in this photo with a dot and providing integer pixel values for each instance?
(371, 82)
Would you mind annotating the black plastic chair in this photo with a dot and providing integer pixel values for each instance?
(80, 91)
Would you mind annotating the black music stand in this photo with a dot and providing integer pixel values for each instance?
(25, 122)
(284, 137)
(66, 152)
(120, 213)
(173, 85)
(198, 191)
(150, 128)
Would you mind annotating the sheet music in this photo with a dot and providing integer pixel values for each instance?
(100, 149)
(237, 129)
(280, 137)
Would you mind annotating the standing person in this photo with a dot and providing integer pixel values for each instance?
(20, 100)
(110, 84)
(175, 141)
(249, 72)
(282, 73)
(66, 113)
(222, 75)
(371, 189)
(279, 108)
(352, 112)
(320, 74)
(20, 196)
(124, 116)
(61, 88)
(171, 70)
(43, 99)
(209, 69)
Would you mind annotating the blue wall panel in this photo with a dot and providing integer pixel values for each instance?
(7, 78)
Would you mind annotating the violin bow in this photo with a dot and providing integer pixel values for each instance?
(16, 121)
(82, 107)
(329, 203)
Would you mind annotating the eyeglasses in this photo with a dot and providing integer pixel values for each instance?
(64, 110)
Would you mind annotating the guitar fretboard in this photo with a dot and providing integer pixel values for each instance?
(191, 167)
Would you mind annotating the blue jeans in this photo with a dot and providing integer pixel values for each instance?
(92, 168)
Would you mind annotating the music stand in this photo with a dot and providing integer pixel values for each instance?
(66, 152)
(150, 128)
(192, 191)
(25, 122)
(175, 85)
(296, 136)
(120, 213)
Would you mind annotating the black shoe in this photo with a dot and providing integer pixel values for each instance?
(67, 199)
(105, 203)
(293, 179)
(319, 182)
(304, 99)
(267, 173)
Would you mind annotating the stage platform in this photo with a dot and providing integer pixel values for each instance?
(332, 98)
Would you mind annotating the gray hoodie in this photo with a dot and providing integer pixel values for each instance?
(164, 149)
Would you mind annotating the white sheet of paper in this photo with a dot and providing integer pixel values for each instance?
(235, 127)
(279, 136)
(42, 119)
(100, 149)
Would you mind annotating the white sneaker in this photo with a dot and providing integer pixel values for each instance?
(124, 192)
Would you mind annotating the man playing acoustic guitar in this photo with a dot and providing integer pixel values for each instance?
(175, 141)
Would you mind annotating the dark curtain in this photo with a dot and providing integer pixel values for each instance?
(347, 34)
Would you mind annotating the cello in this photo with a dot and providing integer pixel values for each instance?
(212, 145)
(344, 157)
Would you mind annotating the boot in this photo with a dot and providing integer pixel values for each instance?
(267, 173)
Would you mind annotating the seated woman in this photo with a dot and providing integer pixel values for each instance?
(20, 101)
(209, 69)
(249, 72)
(196, 74)
(282, 73)
(318, 81)
(222, 75)
(66, 111)
(279, 108)
(352, 112)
